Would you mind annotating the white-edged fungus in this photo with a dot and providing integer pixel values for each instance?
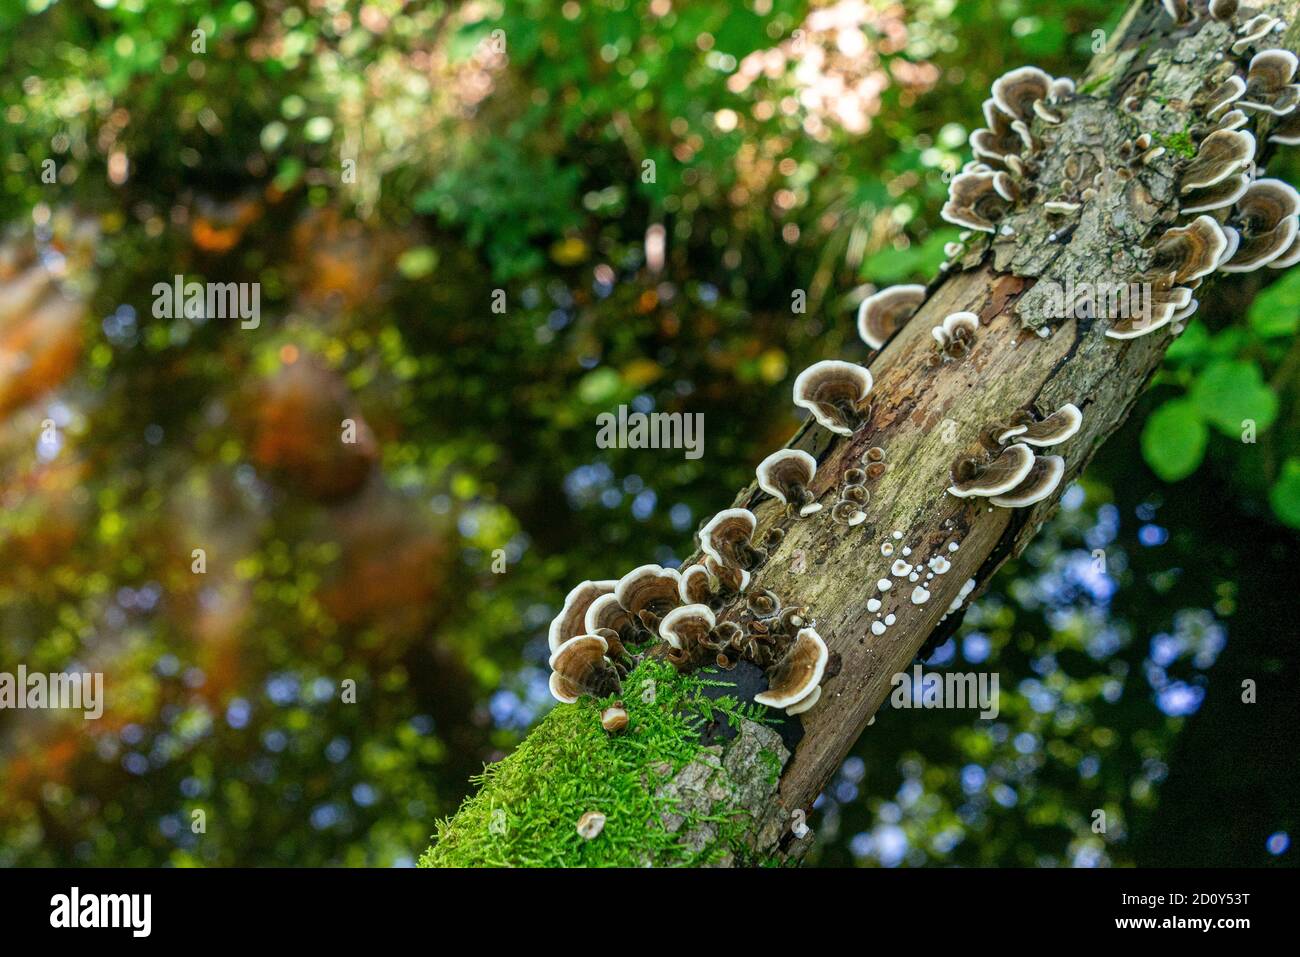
(1268, 83)
(1219, 155)
(885, 312)
(606, 613)
(974, 202)
(848, 512)
(786, 475)
(1060, 207)
(834, 391)
(973, 476)
(1223, 9)
(1266, 219)
(696, 586)
(798, 672)
(1038, 484)
(956, 334)
(997, 142)
(649, 592)
(687, 626)
(1232, 120)
(1289, 257)
(1056, 428)
(1014, 93)
(1287, 131)
(1252, 31)
(1190, 251)
(731, 579)
(579, 667)
(799, 707)
(1225, 95)
(1221, 194)
(571, 620)
(727, 538)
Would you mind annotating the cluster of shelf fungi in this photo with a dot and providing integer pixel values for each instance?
(707, 615)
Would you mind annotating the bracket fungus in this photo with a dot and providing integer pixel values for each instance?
(975, 202)
(1191, 251)
(1225, 95)
(648, 593)
(979, 475)
(1015, 93)
(1266, 221)
(697, 587)
(727, 538)
(731, 579)
(834, 391)
(1223, 9)
(798, 672)
(1056, 428)
(1219, 196)
(579, 667)
(997, 141)
(1219, 155)
(571, 620)
(1268, 83)
(1254, 30)
(687, 627)
(956, 334)
(799, 707)
(885, 312)
(786, 475)
(1287, 132)
(1043, 477)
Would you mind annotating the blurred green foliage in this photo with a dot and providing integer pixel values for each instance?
(390, 172)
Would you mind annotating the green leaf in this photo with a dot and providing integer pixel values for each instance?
(1229, 392)
(1276, 310)
(1173, 440)
(1285, 493)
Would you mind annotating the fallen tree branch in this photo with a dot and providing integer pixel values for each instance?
(1132, 127)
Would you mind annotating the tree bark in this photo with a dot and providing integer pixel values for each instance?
(926, 414)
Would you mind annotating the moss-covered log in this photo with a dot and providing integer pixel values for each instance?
(673, 795)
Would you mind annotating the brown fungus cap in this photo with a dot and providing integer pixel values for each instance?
(606, 614)
(798, 672)
(726, 538)
(1219, 196)
(1287, 132)
(1190, 251)
(1266, 218)
(786, 475)
(992, 477)
(1038, 484)
(580, 668)
(1224, 95)
(687, 626)
(649, 591)
(731, 579)
(1220, 155)
(1268, 83)
(835, 392)
(572, 617)
(799, 707)
(696, 587)
(974, 202)
(885, 312)
(1014, 93)
(1056, 428)
(996, 141)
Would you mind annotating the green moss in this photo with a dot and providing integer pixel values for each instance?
(1180, 143)
(527, 809)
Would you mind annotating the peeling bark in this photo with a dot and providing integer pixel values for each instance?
(926, 413)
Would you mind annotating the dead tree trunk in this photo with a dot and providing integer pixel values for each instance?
(1151, 78)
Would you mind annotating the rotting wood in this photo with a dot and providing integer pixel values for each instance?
(926, 414)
